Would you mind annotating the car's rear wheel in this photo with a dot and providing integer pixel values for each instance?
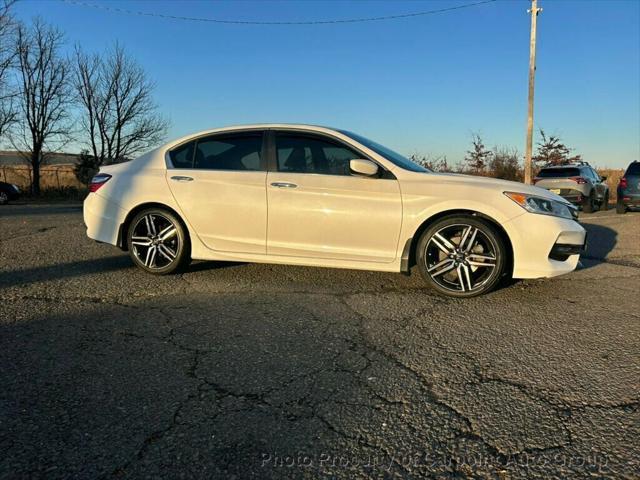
(620, 207)
(4, 198)
(588, 204)
(158, 242)
(461, 256)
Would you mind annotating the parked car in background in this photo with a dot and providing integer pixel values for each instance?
(578, 183)
(8, 192)
(629, 189)
(308, 195)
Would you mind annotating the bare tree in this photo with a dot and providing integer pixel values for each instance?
(478, 158)
(7, 61)
(44, 95)
(119, 116)
(551, 151)
(505, 164)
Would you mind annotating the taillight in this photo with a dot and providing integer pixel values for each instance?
(98, 181)
(623, 182)
(578, 180)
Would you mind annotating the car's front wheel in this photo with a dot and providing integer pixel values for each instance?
(461, 256)
(588, 205)
(158, 242)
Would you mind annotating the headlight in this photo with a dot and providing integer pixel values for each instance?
(543, 206)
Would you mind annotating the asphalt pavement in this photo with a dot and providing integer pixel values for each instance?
(265, 371)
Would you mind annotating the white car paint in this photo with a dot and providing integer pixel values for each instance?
(328, 220)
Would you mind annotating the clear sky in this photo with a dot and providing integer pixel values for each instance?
(420, 84)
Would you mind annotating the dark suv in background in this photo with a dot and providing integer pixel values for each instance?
(577, 183)
(629, 189)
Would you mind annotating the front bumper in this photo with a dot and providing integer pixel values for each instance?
(544, 246)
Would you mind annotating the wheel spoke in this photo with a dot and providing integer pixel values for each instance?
(463, 238)
(149, 259)
(168, 233)
(141, 241)
(442, 267)
(151, 227)
(480, 264)
(459, 272)
(443, 244)
(477, 256)
(465, 269)
(471, 241)
(166, 252)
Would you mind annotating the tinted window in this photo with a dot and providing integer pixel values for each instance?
(230, 152)
(302, 154)
(182, 157)
(634, 169)
(559, 172)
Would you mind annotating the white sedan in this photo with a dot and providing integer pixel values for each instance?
(309, 195)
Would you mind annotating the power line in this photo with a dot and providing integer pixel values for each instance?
(249, 22)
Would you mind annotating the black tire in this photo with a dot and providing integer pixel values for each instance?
(456, 274)
(153, 251)
(604, 206)
(588, 205)
(620, 208)
(4, 197)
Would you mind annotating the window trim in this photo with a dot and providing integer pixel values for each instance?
(384, 172)
(257, 132)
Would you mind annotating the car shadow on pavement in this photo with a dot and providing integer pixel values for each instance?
(203, 265)
(216, 384)
(26, 209)
(601, 241)
(64, 270)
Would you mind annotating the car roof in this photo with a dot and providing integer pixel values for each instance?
(568, 165)
(254, 126)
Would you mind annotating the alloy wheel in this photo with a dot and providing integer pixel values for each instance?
(461, 258)
(155, 241)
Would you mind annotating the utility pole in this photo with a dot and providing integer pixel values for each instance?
(532, 77)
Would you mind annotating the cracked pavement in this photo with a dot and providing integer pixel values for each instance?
(265, 371)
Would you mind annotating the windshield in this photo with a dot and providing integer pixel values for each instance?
(394, 157)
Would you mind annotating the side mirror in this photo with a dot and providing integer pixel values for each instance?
(603, 178)
(363, 167)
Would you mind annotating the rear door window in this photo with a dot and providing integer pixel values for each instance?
(182, 157)
(229, 152)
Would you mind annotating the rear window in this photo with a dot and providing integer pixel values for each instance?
(634, 169)
(559, 172)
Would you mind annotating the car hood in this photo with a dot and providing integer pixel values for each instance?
(488, 183)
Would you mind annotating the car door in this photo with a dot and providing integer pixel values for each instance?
(601, 185)
(219, 183)
(593, 178)
(318, 208)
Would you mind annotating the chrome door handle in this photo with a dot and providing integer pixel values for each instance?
(180, 178)
(283, 185)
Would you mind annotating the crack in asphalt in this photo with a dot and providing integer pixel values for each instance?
(364, 347)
